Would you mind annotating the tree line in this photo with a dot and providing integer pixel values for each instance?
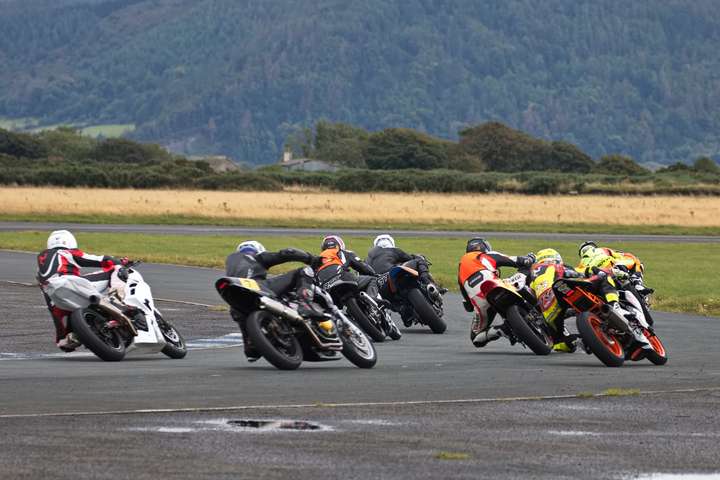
(64, 157)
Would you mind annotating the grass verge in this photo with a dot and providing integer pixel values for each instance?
(349, 224)
(680, 273)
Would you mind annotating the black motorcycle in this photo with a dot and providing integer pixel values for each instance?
(285, 338)
(417, 302)
(349, 291)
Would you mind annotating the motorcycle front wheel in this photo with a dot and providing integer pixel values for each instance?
(605, 346)
(90, 328)
(274, 339)
(425, 311)
(357, 347)
(175, 346)
(657, 355)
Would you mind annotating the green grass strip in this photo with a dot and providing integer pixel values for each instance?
(331, 224)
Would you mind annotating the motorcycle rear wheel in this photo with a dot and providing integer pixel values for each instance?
(657, 355)
(536, 341)
(425, 311)
(363, 320)
(274, 340)
(107, 344)
(604, 346)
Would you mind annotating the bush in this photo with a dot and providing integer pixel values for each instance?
(21, 145)
(619, 165)
(400, 148)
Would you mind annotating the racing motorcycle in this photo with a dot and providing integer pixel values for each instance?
(121, 319)
(416, 302)
(284, 337)
(604, 332)
(513, 300)
(345, 289)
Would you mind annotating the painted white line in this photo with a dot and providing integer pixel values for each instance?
(348, 404)
(227, 341)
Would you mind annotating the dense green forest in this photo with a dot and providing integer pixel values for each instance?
(238, 77)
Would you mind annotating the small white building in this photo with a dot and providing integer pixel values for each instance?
(305, 164)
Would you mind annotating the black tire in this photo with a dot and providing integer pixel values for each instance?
(658, 354)
(175, 346)
(607, 348)
(425, 311)
(274, 340)
(393, 331)
(536, 341)
(87, 324)
(357, 347)
(361, 319)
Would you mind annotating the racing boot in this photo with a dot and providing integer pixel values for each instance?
(249, 349)
(485, 337)
(69, 343)
(307, 307)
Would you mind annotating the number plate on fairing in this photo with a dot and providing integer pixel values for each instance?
(250, 284)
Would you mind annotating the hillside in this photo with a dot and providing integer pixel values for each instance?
(237, 77)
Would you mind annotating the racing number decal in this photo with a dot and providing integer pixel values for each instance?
(249, 284)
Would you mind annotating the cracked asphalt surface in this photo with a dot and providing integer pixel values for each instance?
(437, 407)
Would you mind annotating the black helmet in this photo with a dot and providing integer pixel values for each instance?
(584, 247)
(478, 244)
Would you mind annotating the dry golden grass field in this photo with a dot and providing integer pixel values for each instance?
(369, 208)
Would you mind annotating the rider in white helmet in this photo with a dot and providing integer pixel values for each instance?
(384, 255)
(252, 260)
(62, 257)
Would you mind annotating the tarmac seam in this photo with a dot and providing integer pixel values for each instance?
(351, 404)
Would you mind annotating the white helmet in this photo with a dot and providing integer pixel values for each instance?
(61, 239)
(250, 247)
(384, 241)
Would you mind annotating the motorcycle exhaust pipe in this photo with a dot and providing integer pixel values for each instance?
(280, 310)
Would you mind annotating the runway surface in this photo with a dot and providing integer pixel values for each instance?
(433, 407)
(248, 231)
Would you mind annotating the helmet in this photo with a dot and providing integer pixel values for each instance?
(332, 241)
(384, 241)
(61, 239)
(585, 248)
(250, 247)
(478, 244)
(548, 255)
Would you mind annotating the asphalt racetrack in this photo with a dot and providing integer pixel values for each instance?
(433, 407)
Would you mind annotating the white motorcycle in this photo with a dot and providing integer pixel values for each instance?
(112, 318)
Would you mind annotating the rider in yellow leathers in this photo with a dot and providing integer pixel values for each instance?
(611, 265)
(548, 268)
(626, 264)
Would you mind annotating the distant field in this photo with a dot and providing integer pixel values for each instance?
(680, 288)
(33, 124)
(108, 131)
(313, 208)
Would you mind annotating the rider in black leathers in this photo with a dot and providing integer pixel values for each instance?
(251, 260)
(384, 255)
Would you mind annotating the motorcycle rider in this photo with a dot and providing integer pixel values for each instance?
(563, 341)
(62, 257)
(479, 265)
(600, 264)
(627, 265)
(252, 260)
(334, 254)
(384, 255)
